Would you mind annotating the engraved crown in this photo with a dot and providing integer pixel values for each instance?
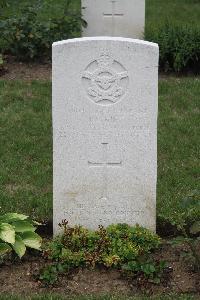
(105, 60)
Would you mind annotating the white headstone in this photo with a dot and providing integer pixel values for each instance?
(124, 18)
(105, 131)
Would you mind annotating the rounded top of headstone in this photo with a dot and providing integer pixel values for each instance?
(106, 38)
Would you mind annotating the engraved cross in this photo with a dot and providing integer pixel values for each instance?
(105, 163)
(113, 15)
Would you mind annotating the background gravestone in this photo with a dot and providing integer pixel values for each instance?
(105, 131)
(124, 18)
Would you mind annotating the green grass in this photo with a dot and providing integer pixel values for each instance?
(26, 145)
(174, 11)
(178, 142)
(26, 148)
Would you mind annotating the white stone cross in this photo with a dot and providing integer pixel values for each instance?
(113, 15)
(105, 164)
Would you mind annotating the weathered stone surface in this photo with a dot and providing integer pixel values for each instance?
(124, 18)
(105, 131)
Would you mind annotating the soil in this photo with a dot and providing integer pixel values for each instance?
(20, 278)
(13, 70)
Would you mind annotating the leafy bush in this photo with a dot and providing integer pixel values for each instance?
(27, 38)
(115, 246)
(179, 47)
(17, 232)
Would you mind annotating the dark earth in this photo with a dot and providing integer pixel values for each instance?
(21, 277)
(12, 70)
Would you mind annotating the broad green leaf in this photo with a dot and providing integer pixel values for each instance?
(12, 217)
(4, 248)
(23, 226)
(19, 246)
(32, 240)
(195, 228)
(7, 233)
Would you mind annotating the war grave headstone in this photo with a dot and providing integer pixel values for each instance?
(105, 94)
(122, 18)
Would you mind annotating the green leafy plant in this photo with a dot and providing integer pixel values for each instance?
(114, 246)
(190, 203)
(28, 38)
(49, 275)
(17, 232)
(23, 34)
(148, 268)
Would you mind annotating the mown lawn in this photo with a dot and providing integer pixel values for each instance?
(178, 143)
(174, 11)
(26, 148)
(26, 145)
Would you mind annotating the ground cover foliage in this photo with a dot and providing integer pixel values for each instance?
(28, 29)
(26, 149)
(117, 246)
(120, 259)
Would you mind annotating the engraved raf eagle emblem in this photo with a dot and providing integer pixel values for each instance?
(105, 80)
